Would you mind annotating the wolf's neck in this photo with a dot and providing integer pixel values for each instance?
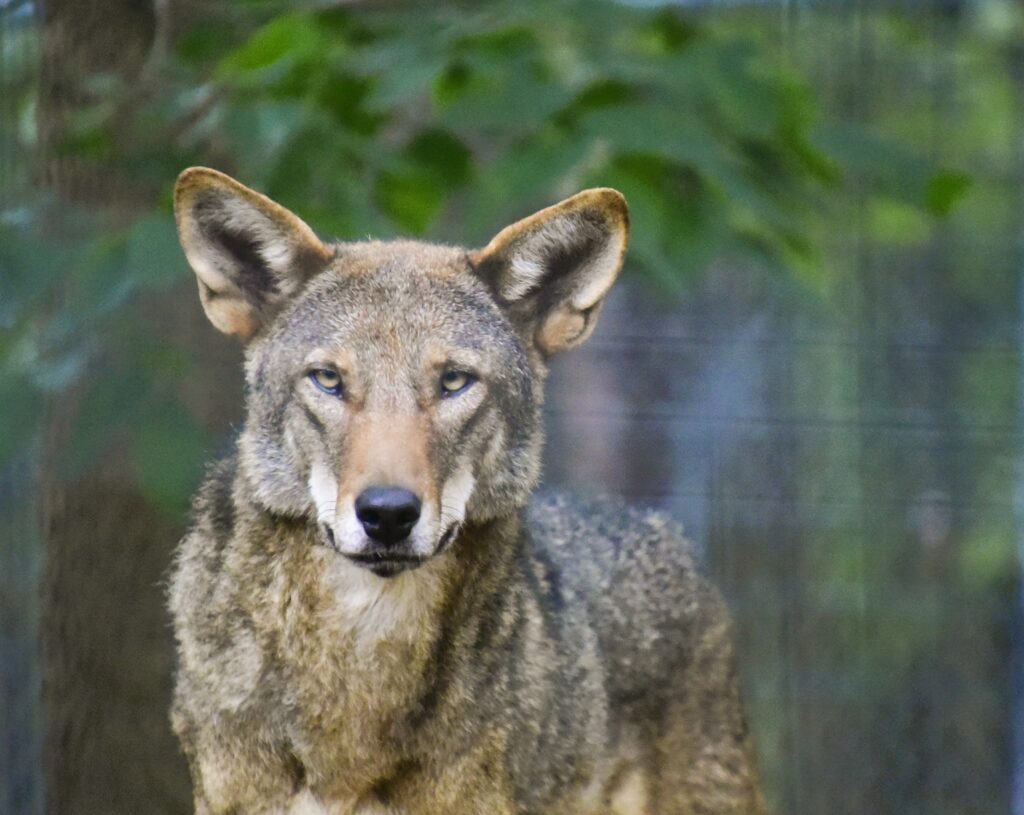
(483, 555)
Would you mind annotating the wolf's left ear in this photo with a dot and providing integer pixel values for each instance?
(250, 255)
(553, 269)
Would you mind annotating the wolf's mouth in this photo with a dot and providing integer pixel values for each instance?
(387, 565)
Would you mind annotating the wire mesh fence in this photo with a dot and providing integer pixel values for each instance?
(843, 448)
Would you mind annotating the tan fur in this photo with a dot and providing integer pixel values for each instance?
(388, 448)
(548, 656)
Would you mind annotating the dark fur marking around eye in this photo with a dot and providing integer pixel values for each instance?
(474, 420)
(313, 420)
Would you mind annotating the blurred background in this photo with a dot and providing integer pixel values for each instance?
(813, 361)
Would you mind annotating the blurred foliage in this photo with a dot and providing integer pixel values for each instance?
(441, 121)
(826, 157)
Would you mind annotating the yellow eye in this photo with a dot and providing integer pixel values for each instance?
(327, 380)
(455, 382)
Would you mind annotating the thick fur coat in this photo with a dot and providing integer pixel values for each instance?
(483, 653)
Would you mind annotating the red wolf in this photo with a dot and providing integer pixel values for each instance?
(371, 614)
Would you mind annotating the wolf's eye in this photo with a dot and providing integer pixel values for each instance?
(455, 382)
(326, 380)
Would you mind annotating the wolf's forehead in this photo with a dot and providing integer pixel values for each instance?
(394, 310)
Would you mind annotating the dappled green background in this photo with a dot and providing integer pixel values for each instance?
(812, 362)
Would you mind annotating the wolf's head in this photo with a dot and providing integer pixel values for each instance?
(394, 388)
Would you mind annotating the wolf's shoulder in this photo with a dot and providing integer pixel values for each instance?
(626, 561)
(615, 536)
(633, 573)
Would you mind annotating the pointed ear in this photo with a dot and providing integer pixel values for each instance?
(553, 269)
(249, 254)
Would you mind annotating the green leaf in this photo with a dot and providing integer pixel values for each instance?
(441, 153)
(897, 223)
(528, 176)
(945, 189)
(433, 166)
(205, 42)
(887, 167)
(748, 104)
(666, 33)
(279, 43)
(657, 130)
(261, 131)
(411, 198)
(677, 225)
(507, 97)
(400, 68)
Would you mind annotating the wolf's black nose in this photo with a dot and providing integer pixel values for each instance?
(388, 514)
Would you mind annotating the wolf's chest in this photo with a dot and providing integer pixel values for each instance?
(368, 640)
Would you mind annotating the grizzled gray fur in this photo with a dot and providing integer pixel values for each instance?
(372, 616)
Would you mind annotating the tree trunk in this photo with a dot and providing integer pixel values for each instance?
(107, 656)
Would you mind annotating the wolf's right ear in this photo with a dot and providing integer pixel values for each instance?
(250, 255)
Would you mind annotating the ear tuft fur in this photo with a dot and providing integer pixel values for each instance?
(553, 269)
(250, 255)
